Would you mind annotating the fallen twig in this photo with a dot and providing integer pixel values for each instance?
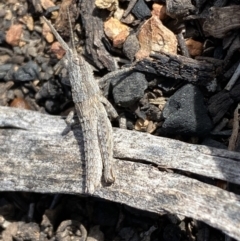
(37, 157)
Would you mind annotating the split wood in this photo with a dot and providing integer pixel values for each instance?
(37, 156)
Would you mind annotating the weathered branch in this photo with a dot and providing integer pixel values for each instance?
(38, 157)
(181, 68)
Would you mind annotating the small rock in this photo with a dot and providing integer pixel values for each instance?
(20, 103)
(13, 35)
(155, 37)
(5, 93)
(18, 50)
(57, 49)
(118, 13)
(129, 19)
(27, 72)
(5, 58)
(8, 15)
(141, 10)
(2, 37)
(52, 107)
(129, 90)
(4, 69)
(130, 125)
(18, 93)
(131, 46)
(18, 59)
(159, 11)
(49, 90)
(110, 5)
(116, 31)
(10, 231)
(140, 114)
(47, 4)
(28, 20)
(21, 43)
(21, 8)
(46, 32)
(195, 48)
(120, 39)
(32, 51)
(185, 113)
(2, 12)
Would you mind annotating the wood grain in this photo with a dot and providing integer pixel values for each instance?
(37, 157)
(222, 20)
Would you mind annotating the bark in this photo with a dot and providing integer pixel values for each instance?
(38, 156)
(181, 68)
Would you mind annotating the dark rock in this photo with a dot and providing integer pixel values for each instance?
(186, 114)
(27, 72)
(17, 59)
(52, 106)
(130, 125)
(141, 10)
(49, 89)
(2, 37)
(129, 90)
(42, 60)
(144, 101)
(131, 46)
(4, 69)
(140, 114)
(153, 83)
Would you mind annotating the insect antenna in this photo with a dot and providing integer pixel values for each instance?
(71, 33)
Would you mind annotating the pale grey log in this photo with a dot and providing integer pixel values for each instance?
(142, 147)
(38, 158)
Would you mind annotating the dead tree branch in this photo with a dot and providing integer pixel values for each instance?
(36, 156)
